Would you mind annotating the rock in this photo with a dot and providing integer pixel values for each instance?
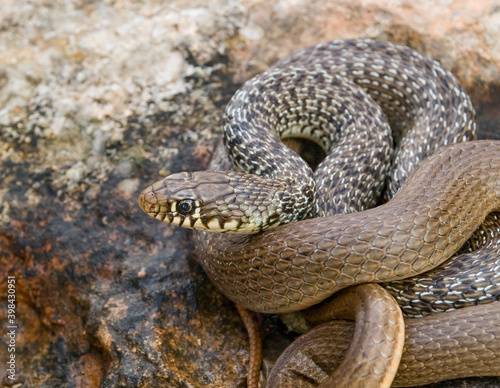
(98, 98)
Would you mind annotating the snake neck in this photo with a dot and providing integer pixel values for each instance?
(256, 203)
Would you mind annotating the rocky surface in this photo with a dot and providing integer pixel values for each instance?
(98, 98)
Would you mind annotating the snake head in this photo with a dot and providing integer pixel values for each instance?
(216, 201)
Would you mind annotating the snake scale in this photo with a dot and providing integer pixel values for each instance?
(378, 110)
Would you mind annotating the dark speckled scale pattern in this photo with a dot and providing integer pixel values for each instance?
(426, 106)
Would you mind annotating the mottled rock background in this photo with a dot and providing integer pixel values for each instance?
(99, 98)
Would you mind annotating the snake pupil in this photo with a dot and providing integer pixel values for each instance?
(186, 207)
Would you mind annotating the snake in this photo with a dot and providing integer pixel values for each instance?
(436, 347)
(419, 155)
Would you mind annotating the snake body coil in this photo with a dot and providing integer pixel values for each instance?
(445, 346)
(297, 265)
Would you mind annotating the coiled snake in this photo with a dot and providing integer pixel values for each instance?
(315, 94)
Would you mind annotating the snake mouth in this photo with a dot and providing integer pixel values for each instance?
(154, 208)
(166, 211)
(160, 210)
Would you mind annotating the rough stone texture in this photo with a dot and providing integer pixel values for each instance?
(99, 98)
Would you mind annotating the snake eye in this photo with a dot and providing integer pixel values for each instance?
(186, 207)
